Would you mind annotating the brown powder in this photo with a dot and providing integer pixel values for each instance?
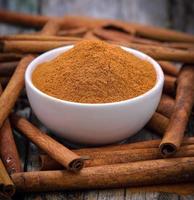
(94, 72)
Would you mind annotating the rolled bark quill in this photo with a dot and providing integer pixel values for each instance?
(136, 145)
(146, 31)
(156, 33)
(187, 141)
(7, 68)
(6, 185)
(69, 22)
(16, 18)
(158, 123)
(174, 170)
(138, 151)
(6, 57)
(8, 149)
(170, 85)
(161, 53)
(169, 68)
(38, 21)
(41, 37)
(115, 157)
(57, 151)
(166, 105)
(118, 36)
(76, 32)
(161, 34)
(183, 104)
(13, 89)
(31, 46)
(113, 35)
(180, 45)
(90, 36)
(50, 28)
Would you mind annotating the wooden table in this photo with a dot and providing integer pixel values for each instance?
(175, 14)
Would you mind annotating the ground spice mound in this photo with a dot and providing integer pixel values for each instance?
(94, 72)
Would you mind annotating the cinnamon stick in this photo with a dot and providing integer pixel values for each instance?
(42, 37)
(31, 46)
(114, 25)
(75, 32)
(183, 104)
(119, 36)
(6, 185)
(161, 34)
(97, 158)
(169, 84)
(157, 33)
(7, 68)
(136, 145)
(124, 37)
(153, 172)
(158, 123)
(154, 51)
(38, 21)
(50, 28)
(8, 149)
(180, 45)
(23, 19)
(13, 89)
(169, 68)
(5, 57)
(90, 36)
(70, 22)
(162, 53)
(57, 151)
(166, 105)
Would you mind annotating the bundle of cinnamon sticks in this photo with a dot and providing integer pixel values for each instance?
(154, 162)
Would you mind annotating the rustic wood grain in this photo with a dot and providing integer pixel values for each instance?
(165, 196)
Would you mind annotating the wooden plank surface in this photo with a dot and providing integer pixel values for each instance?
(174, 13)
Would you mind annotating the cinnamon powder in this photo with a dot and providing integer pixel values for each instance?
(94, 72)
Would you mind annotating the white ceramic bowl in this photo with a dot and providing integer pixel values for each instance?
(93, 124)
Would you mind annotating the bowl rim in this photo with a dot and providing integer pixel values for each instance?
(31, 67)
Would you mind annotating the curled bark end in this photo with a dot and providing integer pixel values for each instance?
(76, 165)
(167, 149)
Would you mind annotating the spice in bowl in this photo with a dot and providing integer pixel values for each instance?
(95, 72)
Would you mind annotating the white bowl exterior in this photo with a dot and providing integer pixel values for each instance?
(93, 123)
